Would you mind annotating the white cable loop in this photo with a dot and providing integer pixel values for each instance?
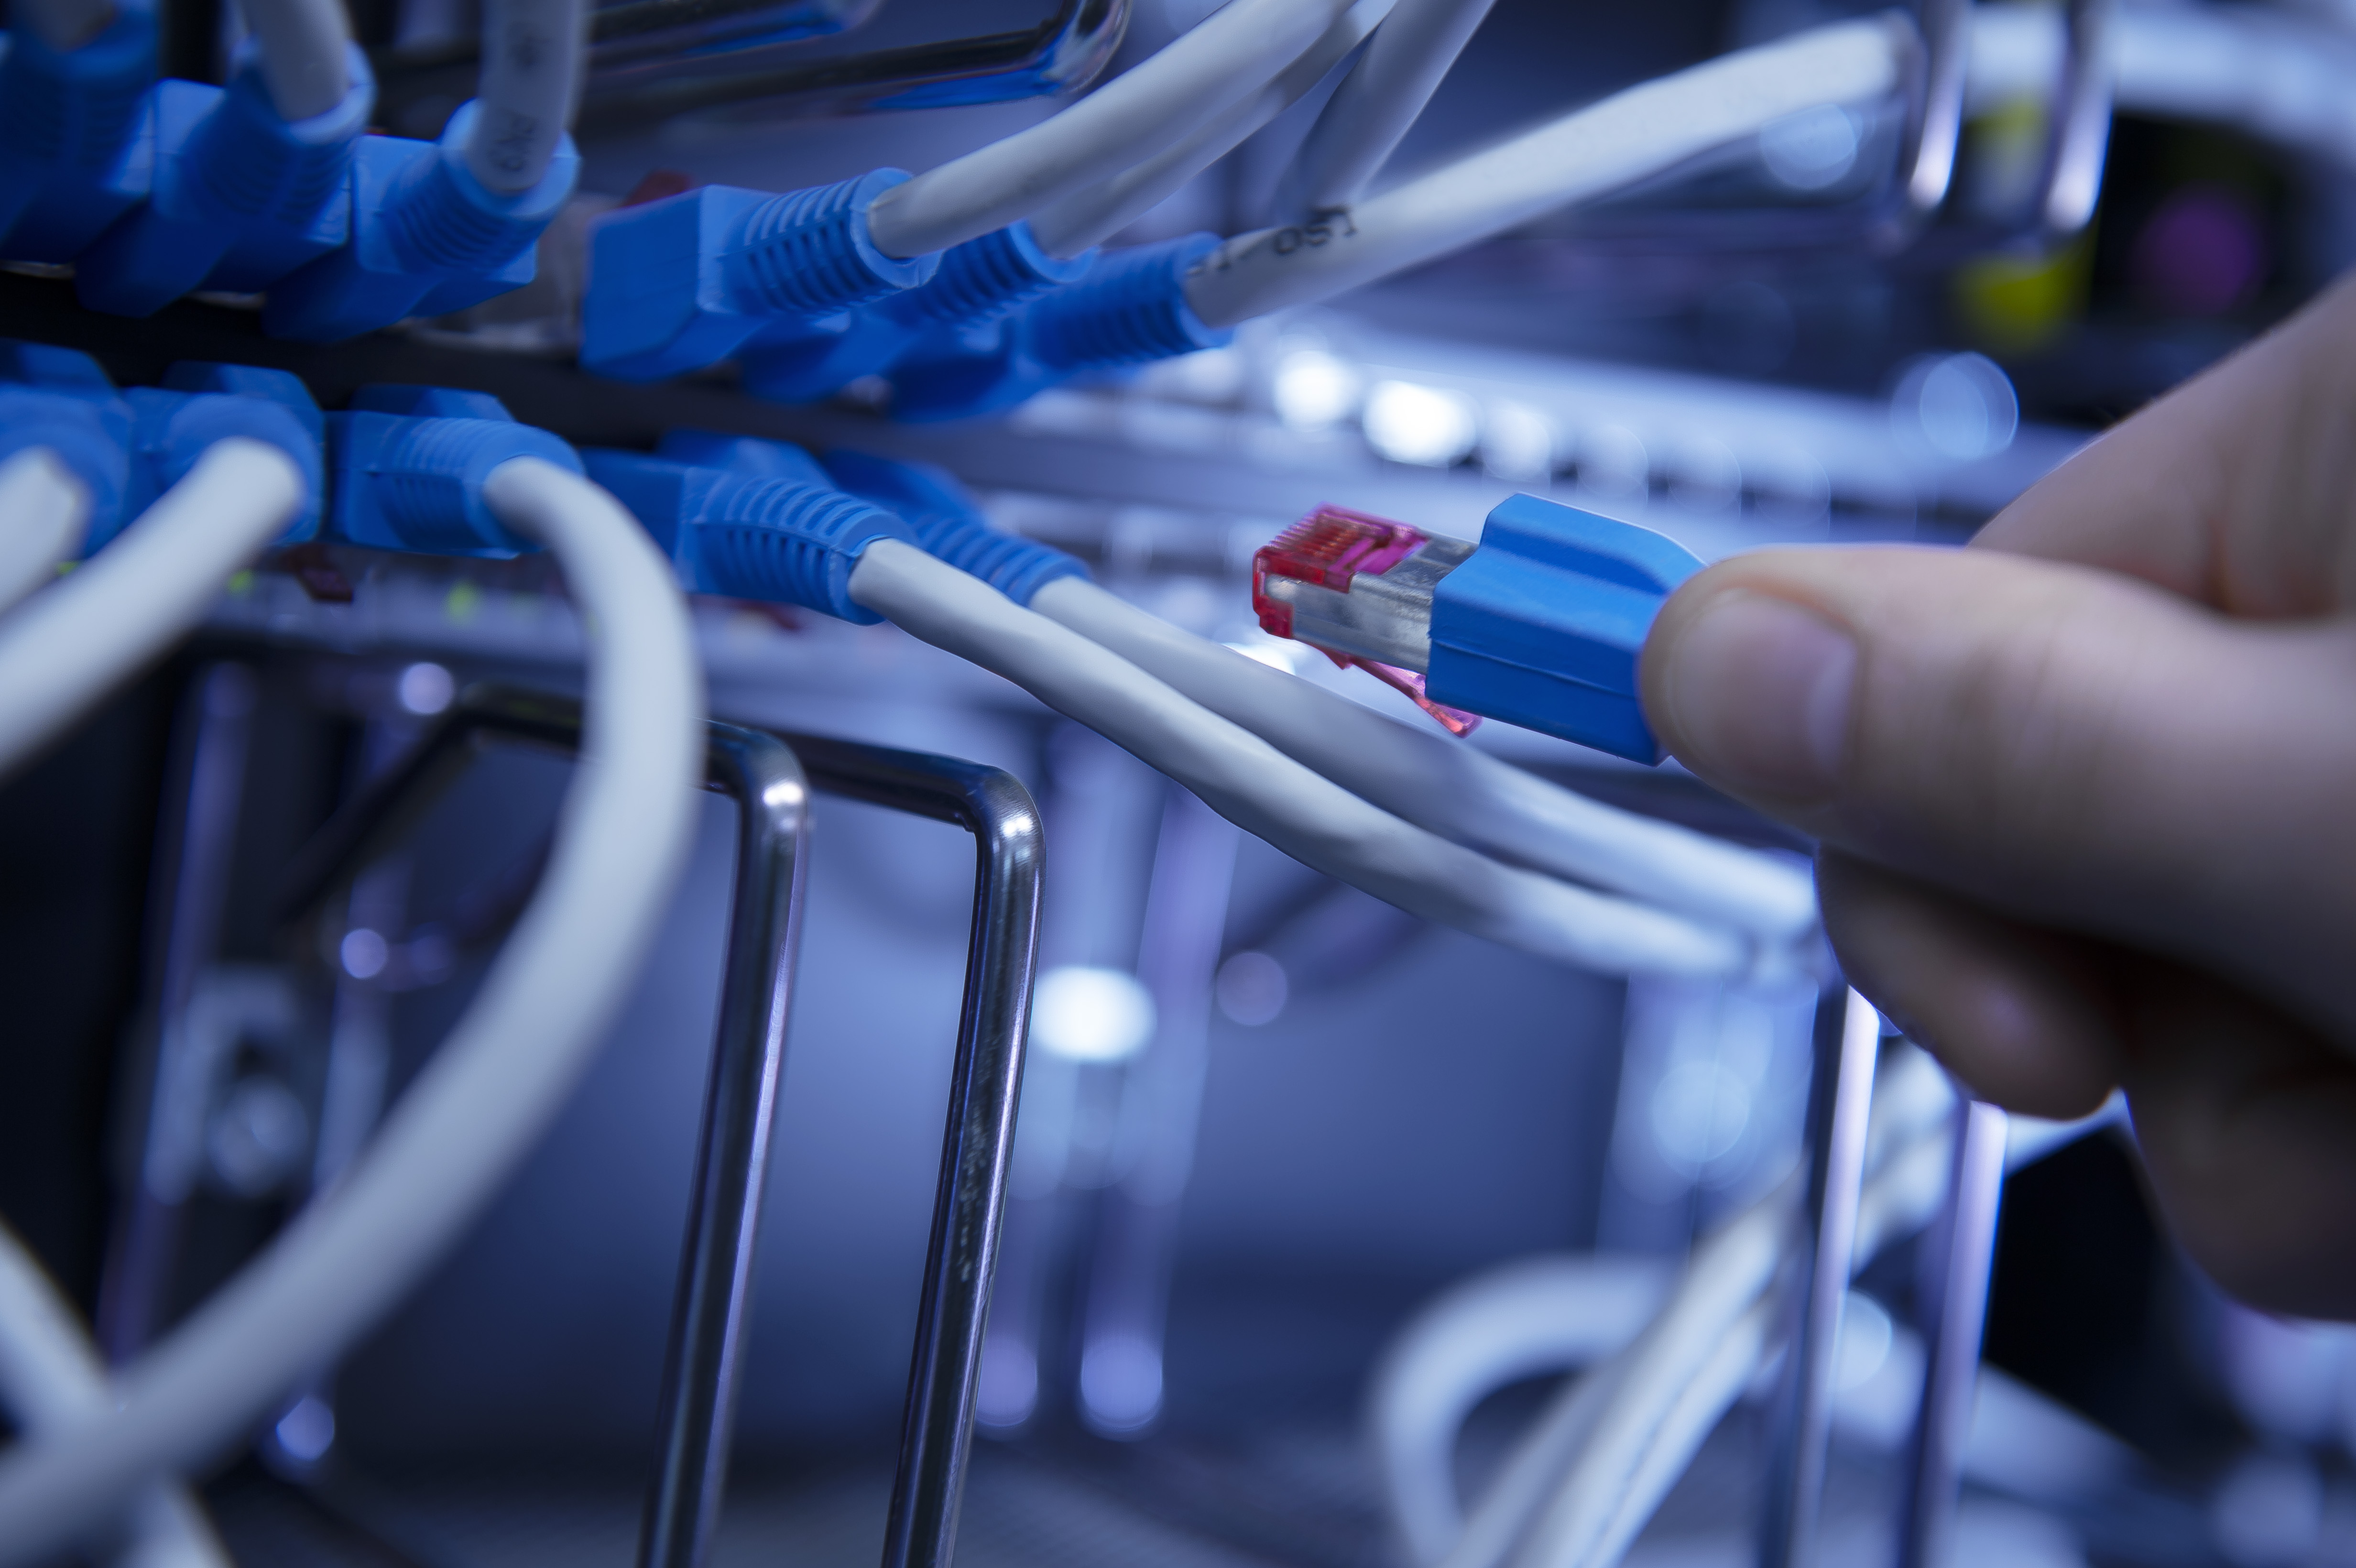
(485, 1097)
(305, 47)
(1601, 148)
(1455, 790)
(1260, 789)
(50, 1375)
(1376, 104)
(1092, 216)
(532, 66)
(1194, 80)
(43, 512)
(65, 649)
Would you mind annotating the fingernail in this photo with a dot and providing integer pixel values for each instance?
(1757, 693)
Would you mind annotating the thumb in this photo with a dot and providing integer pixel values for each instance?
(2067, 746)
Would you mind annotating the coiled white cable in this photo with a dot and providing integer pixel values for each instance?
(530, 85)
(1260, 789)
(1089, 216)
(43, 511)
(1601, 148)
(1194, 80)
(305, 46)
(1458, 792)
(484, 1099)
(66, 649)
(1371, 112)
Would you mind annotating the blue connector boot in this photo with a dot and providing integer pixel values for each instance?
(979, 283)
(948, 525)
(241, 198)
(427, 239)
(408, 465)
(60, 399)
(681, 284)
(77, 137)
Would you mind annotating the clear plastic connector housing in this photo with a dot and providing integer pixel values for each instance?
(1358, 589)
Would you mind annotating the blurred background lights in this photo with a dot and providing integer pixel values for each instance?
(1812, 149)
(1083, 1013)
(425, 689)
(1252, 988)
(1701, 1110)
(1313, 390)
(1613, 466)
(1959, 405)
(1423, 425)
(1517, 443)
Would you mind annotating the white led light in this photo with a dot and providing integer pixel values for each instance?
(1313, 390)
(1082, 1013)
(1422, 426)
(364, 954)
(1517, 443)
(1959, 405)
(1810, 150)
(425, 689)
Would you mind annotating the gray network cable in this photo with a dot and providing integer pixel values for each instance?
(43, 511)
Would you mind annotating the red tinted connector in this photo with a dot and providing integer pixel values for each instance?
(1328, 547)
(1306, 586)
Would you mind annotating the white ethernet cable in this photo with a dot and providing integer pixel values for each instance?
(304, 48)
(1260, 789)
(530, 85)
(1603, 147)
(1455, 790)
(1371, 112)
(50, 1375)
(1594, 1469)
(63, 23)
(1196, 78)
(67, 648)
(1089, 216)
(43, 509)
(484, 1097)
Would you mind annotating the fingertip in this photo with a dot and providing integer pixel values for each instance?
(2021, 1016)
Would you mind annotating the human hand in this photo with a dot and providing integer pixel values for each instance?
(2084, 789)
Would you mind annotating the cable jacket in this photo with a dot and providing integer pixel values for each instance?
(304, 48)
(532, 58)
(50, 1375)
(1195, 78)
(65, 650)
(44, 511)
(1092, 216)
(1260, 789)
(485, 1097)
(1599, 149)
(1452, 789)
(1378, 101)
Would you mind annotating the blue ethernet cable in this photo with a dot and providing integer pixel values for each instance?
(241, 197)
(427, 239)
(979, 283)
(681, 283)
(753, 531)
(77, 135)
(406, 468)
(1539, 624)
(1130, 309)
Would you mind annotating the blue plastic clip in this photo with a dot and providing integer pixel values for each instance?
(1542, 625)
(60, 399)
